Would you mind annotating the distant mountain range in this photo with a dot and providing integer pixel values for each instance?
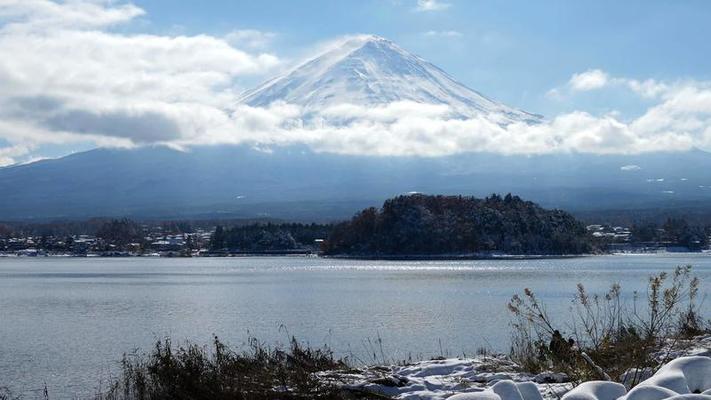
(295, 182)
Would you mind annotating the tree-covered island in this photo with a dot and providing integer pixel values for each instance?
(425, 225)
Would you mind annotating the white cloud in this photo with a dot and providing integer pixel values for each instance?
(40, 14)
(72, 77)
(408, 128)
(647, 88)
(9, 154)
(250, 38)
(555, 94)
(589, 80)
(595, 79)
(431, 5)
(446, 34)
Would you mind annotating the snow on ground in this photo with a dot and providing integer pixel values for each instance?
(682, 376)
(443, 378)
(698, 346)
(596, 390)
(496, 377)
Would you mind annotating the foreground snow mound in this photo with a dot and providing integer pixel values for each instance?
(683, 376)
(687, 378)
(509, 390)
(596, 390)
(504, 390)
(483, 395)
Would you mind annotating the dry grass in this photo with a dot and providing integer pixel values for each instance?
(191, 372)
(605, 336)
(6, 394)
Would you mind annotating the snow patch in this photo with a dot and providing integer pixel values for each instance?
(498, 378)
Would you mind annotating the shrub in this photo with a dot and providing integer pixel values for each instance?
(607, 337)
(191, 372)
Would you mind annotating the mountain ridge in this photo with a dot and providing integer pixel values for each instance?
(297, 183)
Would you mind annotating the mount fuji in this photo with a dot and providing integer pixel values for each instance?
(295, 182)
(369, 70)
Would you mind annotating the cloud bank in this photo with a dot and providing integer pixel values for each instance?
(73, 77)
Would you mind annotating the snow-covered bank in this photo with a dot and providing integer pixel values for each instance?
(443, 378)
(496, 377)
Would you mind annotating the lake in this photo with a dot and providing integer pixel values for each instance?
(67, 321)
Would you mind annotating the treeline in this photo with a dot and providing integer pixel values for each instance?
(121, 232)
(430, 225)
(53, 228)
(268, 237)
(675, 231)
(93, 226)
(698, 213)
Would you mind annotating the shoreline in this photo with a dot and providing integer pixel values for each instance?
(440, 378)
(455, 257)
(406, 257)
(412, 257)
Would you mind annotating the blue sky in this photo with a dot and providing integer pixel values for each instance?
(514, 51)
(609, 76)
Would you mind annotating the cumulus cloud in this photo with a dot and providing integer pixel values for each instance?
(589, 80)
(409, 128)
(431, 5)
(250, 38)
(682, 109)
(10, 153)
(648, 88)
(72, 76)
(28, 15)
(595, 79)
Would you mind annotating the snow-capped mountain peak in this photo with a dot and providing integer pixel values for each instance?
(369, 70)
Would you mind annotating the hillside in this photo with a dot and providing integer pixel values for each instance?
(295, 183)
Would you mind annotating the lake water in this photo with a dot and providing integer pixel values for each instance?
(67, 321)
